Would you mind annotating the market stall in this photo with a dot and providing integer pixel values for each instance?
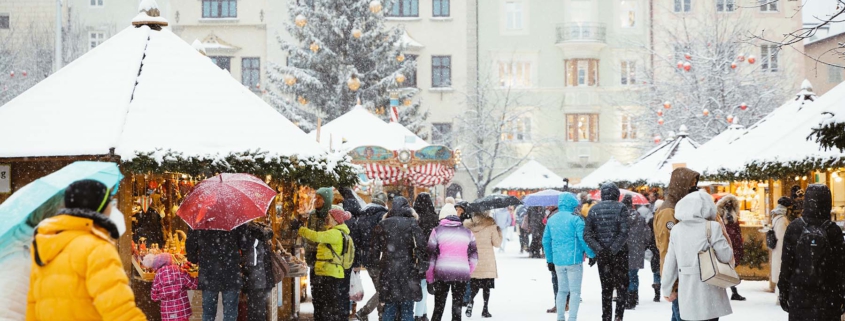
(655, 166)
(529, 178)
(149, 101)
(607, 172)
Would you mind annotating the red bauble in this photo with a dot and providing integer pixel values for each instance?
(733, 65)
(680, 64)
(24, 73)
(743, 106)
(687, 66)
(12, 74)
(667, 105)
(687, 56)
(740, 58)
(660, 121)
(751, 59)
(659, 113)
(706, 112)
(730, 119)
(657, 139)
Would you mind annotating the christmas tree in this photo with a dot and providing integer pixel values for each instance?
(343, 53)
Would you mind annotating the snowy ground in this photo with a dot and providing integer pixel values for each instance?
(524, 292)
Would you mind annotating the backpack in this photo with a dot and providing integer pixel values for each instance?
(812, 248)
(347, 253)
(771, 238)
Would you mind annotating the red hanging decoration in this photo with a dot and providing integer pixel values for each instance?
(740, 58)
(751, 59)
(660, 121)
(687, 66)
(24, 73)
(706, 112)
(667, 105)
(730, 119)
(680, 64)
(687, 56)
(12, 74)
(657, 139)
(659, 113)
(733, 65)
(743, 106)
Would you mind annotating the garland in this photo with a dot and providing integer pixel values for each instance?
(830, 136)
(775, 170)
(313, 172)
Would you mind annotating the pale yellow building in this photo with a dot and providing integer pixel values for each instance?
(823, 64)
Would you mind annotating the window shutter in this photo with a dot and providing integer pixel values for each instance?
(594, 128)
(571, 73)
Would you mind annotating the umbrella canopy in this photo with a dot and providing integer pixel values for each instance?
(638, 198)
(542, 198)
(225, 202)
(41, 198)
(494, 201)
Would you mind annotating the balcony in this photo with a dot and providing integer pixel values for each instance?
(581, 39)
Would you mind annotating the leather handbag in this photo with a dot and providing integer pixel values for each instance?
(713, 272)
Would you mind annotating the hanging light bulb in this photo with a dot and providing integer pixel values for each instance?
(706, 112)
(357, 33)
(314, 47)
(400, 58)
(290, 80)
(400, 78)
(375, 6)
(300, 21)
(353, 83)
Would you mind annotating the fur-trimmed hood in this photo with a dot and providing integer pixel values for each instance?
(725, 211)
(479, 222)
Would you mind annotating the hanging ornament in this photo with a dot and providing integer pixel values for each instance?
(400, 78)
(353, 83)
(23, 73)
(743, 106)
(407, 102)
(375, 6)
(258, 85)
(667, 104)
(751, 59)
(730, 119)
(687, 56)
(733, 65)
(300, 21)
(302, 100)
(290, 80)
(400, 58)
(706, 112)
(314, 47)
(657, 139)
(357, 33)
(660, 121)
(687, 66)
(680, 64)
(659, 113)
(740, 58)
(12, 74)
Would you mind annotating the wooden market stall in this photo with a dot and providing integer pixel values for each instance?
(169, 117)
(529, 178)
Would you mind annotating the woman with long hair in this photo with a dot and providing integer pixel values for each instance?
(487, 236)
(728, 210)
(428, 221)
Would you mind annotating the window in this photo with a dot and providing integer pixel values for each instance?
(768, 5)
(582, 72)
(629, 128)
(219, 8)
(834, 74)
(517, 129)
(582, 127)
(411, 78)
(4, 21)
(405, 8)
(683, 5)
(514, 74)
(513, 15)
(97, 3)
(628, 14)
(769, 57)
(441, 71)
(628, 72)
(725, 5)
(441, 8)
(251, 73)
(441, 134)
(222, 62)
(95, 39)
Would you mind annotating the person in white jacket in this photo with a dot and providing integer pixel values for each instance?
(780, 220)
(698, 300)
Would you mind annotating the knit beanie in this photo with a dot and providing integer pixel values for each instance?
(87, 194)
(447, 210)
(785, 201)
(339, 215)
(162, 260)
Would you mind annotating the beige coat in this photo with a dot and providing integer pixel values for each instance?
(487, 236)
(779, 224)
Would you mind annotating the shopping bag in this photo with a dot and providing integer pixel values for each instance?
(356, 288)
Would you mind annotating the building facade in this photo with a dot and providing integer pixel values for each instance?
(823, 63)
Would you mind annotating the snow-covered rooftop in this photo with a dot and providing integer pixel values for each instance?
(711, 151)
(531, 175)
(609, 171)
(179, 101)
(656, 165)
(359, 127)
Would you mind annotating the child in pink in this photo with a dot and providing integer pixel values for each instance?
(171, 287)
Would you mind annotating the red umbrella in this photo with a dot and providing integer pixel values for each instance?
(638, 198)
(225, 202)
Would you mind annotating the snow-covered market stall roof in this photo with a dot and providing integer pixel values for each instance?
(147, 96)
(609, 171)
(712, 150)
(359, 127)
(830, 133)
(656, 165)
(530, 176)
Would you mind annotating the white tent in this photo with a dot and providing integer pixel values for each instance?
(655, 166)
(609, 171)
(359, 127)
(532, 175)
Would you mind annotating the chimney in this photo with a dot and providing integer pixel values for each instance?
(149, 15)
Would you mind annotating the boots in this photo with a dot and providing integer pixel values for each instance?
(485, 313)
(469, 310)
(424, 317)
(656, 287)
(736, 296)
(629, 301)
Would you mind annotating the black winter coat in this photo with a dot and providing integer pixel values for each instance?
(606, 228)
(256, 262)
(361, 230)
(148, 225)
(535, 220)
(825, 302)
(399, 247)
(218, 255)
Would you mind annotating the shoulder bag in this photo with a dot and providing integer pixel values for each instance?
(713, 272)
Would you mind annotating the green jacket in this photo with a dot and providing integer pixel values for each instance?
(333, 238)
(316, 223)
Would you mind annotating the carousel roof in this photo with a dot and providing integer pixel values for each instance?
(359, 127)
(609, 171)
(656, 165)
(531, 175)
(140, 91)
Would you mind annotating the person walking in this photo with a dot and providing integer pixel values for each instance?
(453, 257)
(811, 282)
(504, 219)
(682, 182)
(535, 226)
(171, 286)
(428, 221)
(327, 290)
(521, 213)
(219, 255)
(361, 228)
(487, 236)
(780, 221)
(606, 232)
(75, 261)
(637, 238)
(399, 248)
(565, 249)
(696, 213)
(257, 269)
(727, 208)
(655, 257)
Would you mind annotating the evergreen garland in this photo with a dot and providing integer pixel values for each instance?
(775, 170)
(755, 254)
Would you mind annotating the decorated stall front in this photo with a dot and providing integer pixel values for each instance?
(169, 117)
(529, 178)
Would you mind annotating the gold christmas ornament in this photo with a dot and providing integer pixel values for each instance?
(301, 21)
(400, 58)
(375, 6)
(290, 80)
(357, 33)
(302, 100)
(400, 78)
(407, 102)
(315, 47)
(353, 83)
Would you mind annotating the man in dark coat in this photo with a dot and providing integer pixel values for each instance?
(637, 239)
(606, 233)
(257, 269)
(361, 227)
(399, 248)
(535, 226)
(820, 296)
(218, 255)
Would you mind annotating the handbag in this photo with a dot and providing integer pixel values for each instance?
(712, 271)
(280, 267)
(771, 238)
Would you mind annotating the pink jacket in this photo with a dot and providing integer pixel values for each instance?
(452, 252)
(171, 287)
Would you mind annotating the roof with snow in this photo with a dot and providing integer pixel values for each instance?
(359, 127)
(711, 150)
(141, 91)
(656, 165)
(609, 171)
(530, 176)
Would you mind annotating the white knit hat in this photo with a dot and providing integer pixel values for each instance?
(447, 210)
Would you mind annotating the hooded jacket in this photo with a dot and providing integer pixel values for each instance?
(730, 216)
(218, 253)
(76, 271)
(664, 220)
(316, 222)
(428, 216)
(399, 250)
(487, 236)
(823, 302)
(638, 238)
(606, 228)
(256, 262)
(697, 300)
(452, 253)
(361, 230)
(563, 240)
(779, 224)
(325, 260)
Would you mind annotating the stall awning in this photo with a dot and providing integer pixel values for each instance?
(423, 175)
(530, 176)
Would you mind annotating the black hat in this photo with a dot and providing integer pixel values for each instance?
(87, 194)
(463, 204)
(817, 203)
(785, 201)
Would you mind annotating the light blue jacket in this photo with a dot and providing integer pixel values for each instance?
(563, 240)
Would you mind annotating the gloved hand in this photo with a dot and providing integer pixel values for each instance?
(551, 267)
(783, 298)
(295, 225)
(592, 262)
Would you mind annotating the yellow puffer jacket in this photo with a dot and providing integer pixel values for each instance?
(76, 271)
(332, 238)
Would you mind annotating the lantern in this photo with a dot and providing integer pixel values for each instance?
(660, 121)
(751, 59)
(667, 105)
(706, 112)
(687, 56)
(357, 33)
(659, 113)
(733, 65)
(353, 83)
(290, 80)
(680, 64)
(740, 58)
(400, 78)
(400, 58)
(315, 47)
(743, 106)
(375, 6)
(687, 66)
(300, 21)
(657, 139)
(730, 119)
